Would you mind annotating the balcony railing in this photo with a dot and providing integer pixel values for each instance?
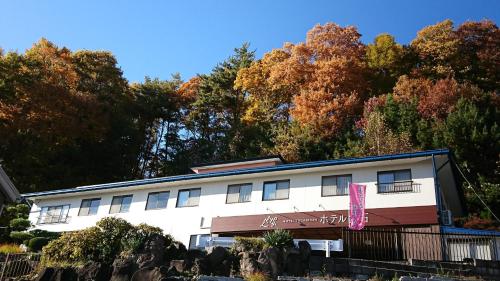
(51, 219)
(398, 187)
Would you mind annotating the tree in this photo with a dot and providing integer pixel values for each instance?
(384, 57)
(437, 47)
(14, 218)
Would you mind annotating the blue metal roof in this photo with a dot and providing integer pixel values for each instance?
(284, 167)
(458, 230)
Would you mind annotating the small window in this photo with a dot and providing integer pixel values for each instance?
(189, 197)
(89, 207)
(276, 190)
(53, 214)
(120, 204)
(239, 193)
(394, 181)
(335, 185)
(157, 200)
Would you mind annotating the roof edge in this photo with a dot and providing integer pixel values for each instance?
(284, 167)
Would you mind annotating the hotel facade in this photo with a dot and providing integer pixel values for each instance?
(413, 191)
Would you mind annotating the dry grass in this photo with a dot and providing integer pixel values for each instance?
(10, 249)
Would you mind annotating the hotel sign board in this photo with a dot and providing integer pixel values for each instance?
(420, 215)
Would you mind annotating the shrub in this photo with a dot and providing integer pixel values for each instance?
(134, 240)
(36, 244)
(19, 224)
(278, 238)
(20, 236)
(45, 233)
(10, 249)
(248, 244)
(257, 276)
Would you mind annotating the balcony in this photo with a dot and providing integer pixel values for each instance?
(398, 187)
(53, 219)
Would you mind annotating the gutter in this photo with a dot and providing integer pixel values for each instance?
(284, 167)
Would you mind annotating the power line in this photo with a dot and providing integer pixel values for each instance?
(477, 195)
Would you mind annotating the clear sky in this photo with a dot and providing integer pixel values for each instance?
(158, 38)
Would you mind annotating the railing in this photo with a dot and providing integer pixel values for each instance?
(18, 265)
(52, 219)
(396, 244)
(396, 187)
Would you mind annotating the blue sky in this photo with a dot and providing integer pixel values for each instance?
(158, 38)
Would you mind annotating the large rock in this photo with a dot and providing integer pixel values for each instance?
(150, 274)
(293, 262)
(175, 251)
(248, 263)
(57, 274)
(94, 271)
(151, 255)
(271, 261)
(305, 254)
(123, 269)
(179, 265)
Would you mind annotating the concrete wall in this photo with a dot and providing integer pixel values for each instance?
(305, 195)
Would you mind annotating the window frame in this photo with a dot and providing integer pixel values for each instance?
(336, 182)
(39, 220)
(121, 203)
(239, 185)
(393, 172)
(189, 196)
(276, 182)
(156, 192)
(91, 200)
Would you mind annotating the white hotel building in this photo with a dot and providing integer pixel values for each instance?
(407, 191)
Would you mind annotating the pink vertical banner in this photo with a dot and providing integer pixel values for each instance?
(357, 193)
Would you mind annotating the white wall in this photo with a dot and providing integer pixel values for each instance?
(305, 195)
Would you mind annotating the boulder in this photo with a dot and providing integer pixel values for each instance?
(57, 274)
(179, 265)
(151, 255)
(123, 269)
(305, 254)
(271, 261)
(94, 271)
(150, 274)
(293, 262)
(248, 263)
(175, 251)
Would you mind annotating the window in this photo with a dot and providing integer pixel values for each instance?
(198, 241)
(239, 193)
(275, 190)
(89, 207)
(53, 214)
(120, 204)
(335, 185)
(157, 200)
(394, 181)
(188, 197)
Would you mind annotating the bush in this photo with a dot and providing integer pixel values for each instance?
(134, 240)
(100, 243)
(36, 244)
(20, 236)
(19, 224)
(248, 244)
(278, 238)
(45, 233)
(257, 276)
(10, 249)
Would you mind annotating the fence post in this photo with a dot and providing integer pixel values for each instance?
(4, 266)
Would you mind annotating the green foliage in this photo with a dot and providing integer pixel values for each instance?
(279, 238)
(19, 224)
(36, 244)
(45, 233)
(102, 243)
(21, 236)
(248, 244)
(135, 238)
